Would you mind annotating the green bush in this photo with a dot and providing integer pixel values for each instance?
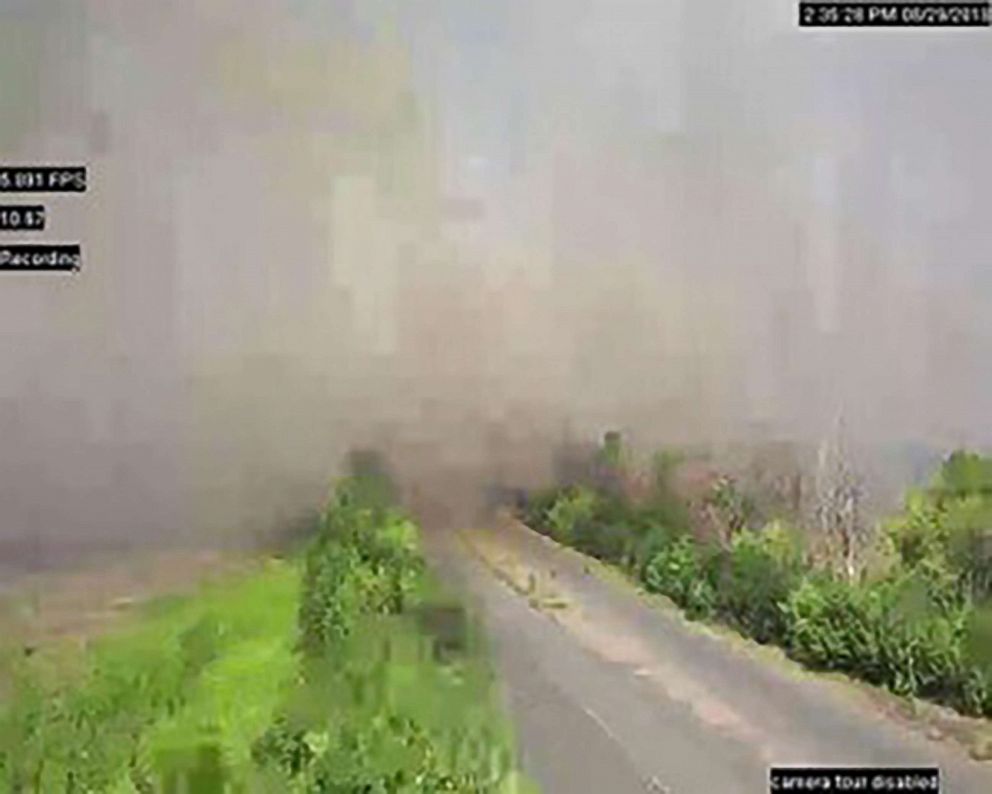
(537, 506)
(758, 573)
(746, 585)
(380, 715)
(951, 522)
(963, 474)
(370, 483)
(366, 560)
(658, 522)
(890, 633)
(968, 523)
(647, 540)
(678, 571)
(573, 507)
(832, 625)
(607, 526)
(919, 533)
(339, 587)
(379, 707)
(604, 527)
(605, 540)
(978, 648)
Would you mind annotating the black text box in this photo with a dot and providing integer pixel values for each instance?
(27, 258)
(43, 179)
(22, 218)
(898, 15)
(872, 780)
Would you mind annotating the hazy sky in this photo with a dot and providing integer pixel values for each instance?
(313, 224)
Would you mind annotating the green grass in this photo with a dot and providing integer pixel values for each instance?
(406, 704)
(348, 670)
(110, 716)
(395, 692)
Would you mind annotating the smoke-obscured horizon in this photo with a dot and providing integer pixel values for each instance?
(458, 231)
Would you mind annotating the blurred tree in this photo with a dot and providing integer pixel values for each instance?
(839, 496)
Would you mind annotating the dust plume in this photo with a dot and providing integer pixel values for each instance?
(458, 231)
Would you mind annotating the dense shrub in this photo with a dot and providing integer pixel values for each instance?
(657, 522)
(951, 522)
(968, 524)
(573, 508)
(537, 504)
(605, 540)
(391, 698)
(605, 525)
(611, 530)
(758, 573)
(924, 636)
(679, 571)
(964, 474)
(365, 561)
(889, 633)
(370, 483)
(914, 628)
(832, 626)
(746, 585)
(978, 640)
(337, 588)
(648, 537)
(919, 533)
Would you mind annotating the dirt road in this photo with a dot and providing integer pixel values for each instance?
(611, 693)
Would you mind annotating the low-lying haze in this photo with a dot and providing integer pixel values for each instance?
(455, 229)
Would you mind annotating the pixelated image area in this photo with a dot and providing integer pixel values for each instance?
(498, 396)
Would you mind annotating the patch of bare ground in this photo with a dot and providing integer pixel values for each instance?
(76, 605)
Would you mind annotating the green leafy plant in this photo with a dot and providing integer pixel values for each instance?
(393, 697)
(572, 508)
(951, 523)
(679, 572)
(537, 506)
(759, 572)
(963, 474)
(889, 632)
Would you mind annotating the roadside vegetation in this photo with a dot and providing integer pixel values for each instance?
(911, 612)
(342, 669)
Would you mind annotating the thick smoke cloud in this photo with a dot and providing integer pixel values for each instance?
(455, 230)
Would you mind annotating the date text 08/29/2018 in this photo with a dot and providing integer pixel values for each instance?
(917, 15)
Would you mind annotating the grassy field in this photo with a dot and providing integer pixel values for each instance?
(182, 674)
(346, 669)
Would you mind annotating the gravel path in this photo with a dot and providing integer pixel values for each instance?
(610, 693)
